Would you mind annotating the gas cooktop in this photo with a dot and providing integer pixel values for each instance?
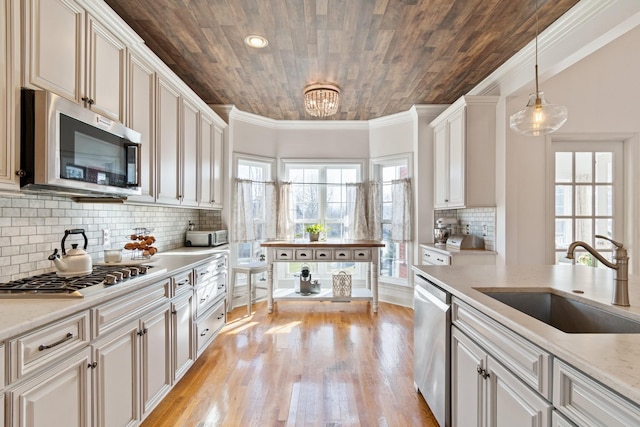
(50, 285)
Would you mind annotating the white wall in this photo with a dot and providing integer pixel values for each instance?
(601, 93)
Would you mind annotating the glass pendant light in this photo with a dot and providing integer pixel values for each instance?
(538, 117)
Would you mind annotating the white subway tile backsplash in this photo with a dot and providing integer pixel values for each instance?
(32, 226)
(480, 221)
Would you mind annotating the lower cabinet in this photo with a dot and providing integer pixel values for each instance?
(133, 369)
(485, 393)
(58, 397)
(208, 325)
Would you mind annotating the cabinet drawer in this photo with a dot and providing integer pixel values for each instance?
(209, 292)
(207, 270)
(208, 326)
(435, 258)
(181, 283)
(284, 254)
(587, 402)
(112, 314)
(343, 254)
(304, 254)
(362, 254)
(528, 361)
(45, 346)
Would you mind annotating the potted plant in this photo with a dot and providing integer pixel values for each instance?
(314, 231)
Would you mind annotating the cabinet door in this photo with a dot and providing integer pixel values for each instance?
(59, 397)
(155, 356)
(106, 65)
(54, 39)
(117, 384)
(140, 111)
(457, 140)
(205, 175)
(467, 395)
(511, 403)
(167, 137)
(183, 343)
(9, 95)
(189, 155)
(218, 163)
(440, 166)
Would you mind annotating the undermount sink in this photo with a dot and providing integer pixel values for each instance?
(566, 314)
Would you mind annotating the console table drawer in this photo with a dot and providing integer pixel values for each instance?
(323, 254)
(284, 254)
(361, 254)
(343, 254)
(304, 254)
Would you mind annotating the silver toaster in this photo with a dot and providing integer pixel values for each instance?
(206, 238)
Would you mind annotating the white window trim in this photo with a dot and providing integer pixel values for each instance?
(395, 160)
(622, 217)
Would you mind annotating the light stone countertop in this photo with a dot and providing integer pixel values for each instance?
(448, 250)
(19, 315)
(612, 359)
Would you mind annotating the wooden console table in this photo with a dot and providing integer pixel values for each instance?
(344, 250)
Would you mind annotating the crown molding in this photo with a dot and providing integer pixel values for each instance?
(402, 117)
(582, 30)
(428, 112)
(243, 116)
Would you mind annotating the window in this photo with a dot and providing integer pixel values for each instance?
(259, 171)
(394, 256)
(587, 197)
(319, 195)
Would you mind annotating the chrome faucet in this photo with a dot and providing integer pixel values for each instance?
(620, 267)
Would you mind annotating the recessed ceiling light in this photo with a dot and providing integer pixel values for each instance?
(256, 41)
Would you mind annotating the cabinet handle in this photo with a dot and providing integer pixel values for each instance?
(427, 255)
(174, 312)
(92, 365)
(204, 299)
(360, 254)
(438, 259)
(142, 332)
(342, 255)
(184, 282)
(220, 286)
(483, 372)
(283, 255)
(322, 255)
(48, 346)
(204, 332)
(221, 316)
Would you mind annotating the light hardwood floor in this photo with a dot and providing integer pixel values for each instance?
(307, 364)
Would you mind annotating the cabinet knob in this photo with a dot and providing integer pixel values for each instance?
(92, 365)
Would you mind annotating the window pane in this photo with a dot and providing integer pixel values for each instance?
(583, 200)
(564, 200)
(604, 200)
(584, 230)
(584, 162)
(564, 167)
(604, 227)
(564, 233)
(604, 167)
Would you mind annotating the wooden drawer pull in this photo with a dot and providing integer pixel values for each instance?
(46, 347)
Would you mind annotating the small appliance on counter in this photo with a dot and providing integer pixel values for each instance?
(465, 241)
(206, 238)
(74, 262)
(443, 230)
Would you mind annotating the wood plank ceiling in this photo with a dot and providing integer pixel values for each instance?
(385, 55)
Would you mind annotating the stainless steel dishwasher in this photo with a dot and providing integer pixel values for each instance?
(431, 347)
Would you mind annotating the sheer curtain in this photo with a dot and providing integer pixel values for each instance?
(401, 210)
(243, 228)
(284, 220)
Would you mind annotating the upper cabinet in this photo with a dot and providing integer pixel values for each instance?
(167, 143)
(88, 70)
(210, 176)
(9, 94)
(464, 154)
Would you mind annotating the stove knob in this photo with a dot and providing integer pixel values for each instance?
(110, 279)
(117, 274)
(125, 273)
(143, 269)
(134, 271)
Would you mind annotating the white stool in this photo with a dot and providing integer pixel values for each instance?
(249, 270)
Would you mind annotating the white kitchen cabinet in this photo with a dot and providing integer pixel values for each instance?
(210, 176)
(464, 154)
(485, 393)
(183, 345)
(141, 117)
(87, 70)
(587, 403)
(57, 397)
(133, 369)
(167, 142)
(443, 256)
(9, 93)
(189, 160)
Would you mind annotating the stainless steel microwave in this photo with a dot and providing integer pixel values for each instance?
(69, 149)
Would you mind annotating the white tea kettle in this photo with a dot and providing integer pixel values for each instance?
(75, 262)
